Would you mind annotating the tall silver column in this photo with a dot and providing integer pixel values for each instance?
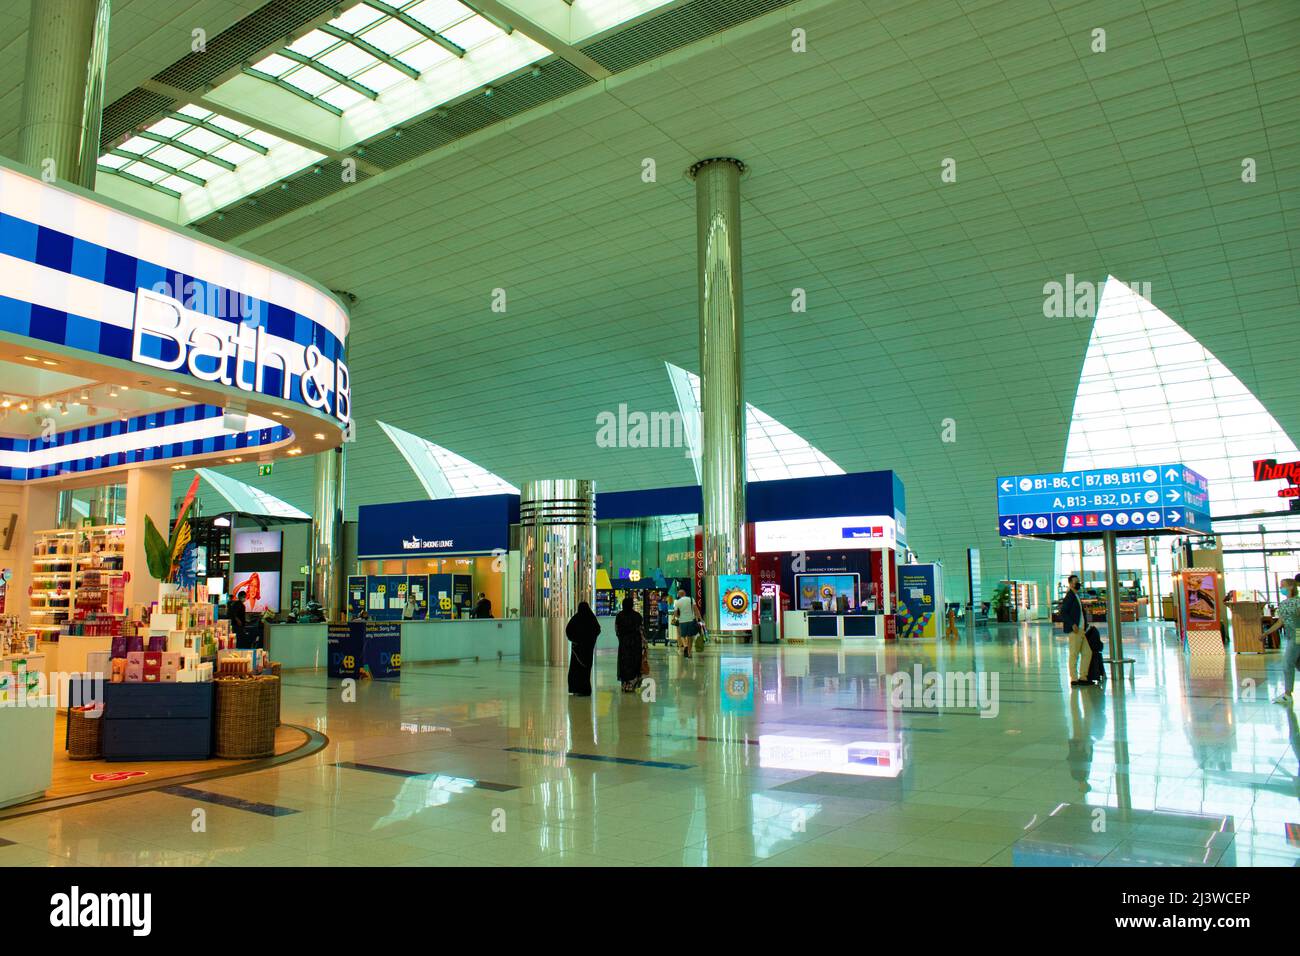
(1114, 627)
(557, 544)
(63, 89)
(327, 575)
(722, 401)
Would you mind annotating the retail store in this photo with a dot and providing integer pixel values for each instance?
(131, 351)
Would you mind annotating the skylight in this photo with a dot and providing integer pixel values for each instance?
(443, 473)
(246, 499)
(1151, 394)
(185, 149)
(772, 450)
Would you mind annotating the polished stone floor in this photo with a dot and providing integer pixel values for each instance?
(797, 756)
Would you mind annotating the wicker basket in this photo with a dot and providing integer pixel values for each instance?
(84, 734)
(245, 724)
(275, 672)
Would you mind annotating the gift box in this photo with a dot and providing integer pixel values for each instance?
(118, 647)
(153, 660)
(119, 670)
(157, 643)
(134, 645)
(135, 669)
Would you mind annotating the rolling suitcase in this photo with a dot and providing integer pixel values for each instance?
(1096, 671)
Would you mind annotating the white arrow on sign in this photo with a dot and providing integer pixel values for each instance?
(1008, 524)
(1174, 495)
(1172, 474)
(1174, 516)
(1006, 484)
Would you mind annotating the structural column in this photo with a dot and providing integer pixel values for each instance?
(63, 89)
(148, 493)
(557, 544)
(722, 401)
(327, 577)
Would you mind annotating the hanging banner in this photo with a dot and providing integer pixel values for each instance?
(735, 602)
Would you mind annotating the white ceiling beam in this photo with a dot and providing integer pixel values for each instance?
(549, 33)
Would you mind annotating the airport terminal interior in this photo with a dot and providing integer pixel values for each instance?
(649, 433)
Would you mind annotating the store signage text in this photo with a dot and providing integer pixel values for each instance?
(1267, 469)
(417, 543)
(203, 345)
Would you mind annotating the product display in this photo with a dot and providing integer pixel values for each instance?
(77, 581)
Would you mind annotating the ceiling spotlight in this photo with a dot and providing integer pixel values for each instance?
(112, 391)
(183, 392)
(6, 402)
(536, 72)
(171, 389)
(222, 522)
(488, 91)
(47, 404)
(30, 358)
(85, 394)
(295, 451)
(48, 362)
(319, 436)
(22, 406)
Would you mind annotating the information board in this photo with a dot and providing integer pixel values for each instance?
(1138, 500)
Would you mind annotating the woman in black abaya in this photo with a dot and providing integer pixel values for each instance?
(631, 640)
(581, 631)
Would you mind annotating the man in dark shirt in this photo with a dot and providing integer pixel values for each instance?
(483, 609)
(1074, 621)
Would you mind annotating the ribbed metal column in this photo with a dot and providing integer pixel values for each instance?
(63, 89)
(557, 544)
(722, 401)
(327, 577)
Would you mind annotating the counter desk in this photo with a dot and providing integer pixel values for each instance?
(824, 625)
(296, 646)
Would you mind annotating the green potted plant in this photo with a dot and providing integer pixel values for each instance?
(164, 554)
(1002, 603)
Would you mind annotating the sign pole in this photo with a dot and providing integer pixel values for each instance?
(1114, 628)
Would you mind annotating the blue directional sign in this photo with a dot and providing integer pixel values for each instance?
(1145, 499)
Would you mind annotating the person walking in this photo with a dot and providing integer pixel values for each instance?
(629, 626)
(582, 631)
(1288, 619)
(687, 622)
(1074, 621)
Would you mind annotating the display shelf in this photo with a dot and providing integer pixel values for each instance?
(75, 571)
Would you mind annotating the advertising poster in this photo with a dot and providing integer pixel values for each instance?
(356, 595)
(261, 590)
(918, 602)
(345, 650)
(382, 652)
(735, 602)
(1201, 615)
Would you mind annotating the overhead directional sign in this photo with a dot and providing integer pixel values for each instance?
(1147, 499)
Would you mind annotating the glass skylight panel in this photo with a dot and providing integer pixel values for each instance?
(347, 59)
(356, 18)
(144, 172)
(234, 153)
(275, 65)
(178, 184)
(426, 55)
(138, 145)
(439, 14)
(113, 162)
(176, 158)
(247, 499)
(168, 127)
(198, 112)
(308, 80)
(392, 36)
(471, 33)
(311, 44)
(341, 97)
(262, 139)
(443, 473)
(381, 77)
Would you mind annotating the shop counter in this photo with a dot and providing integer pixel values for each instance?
(305, 645)
(296, 645)
(814, 625)
(26, 752)
(424, 641)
